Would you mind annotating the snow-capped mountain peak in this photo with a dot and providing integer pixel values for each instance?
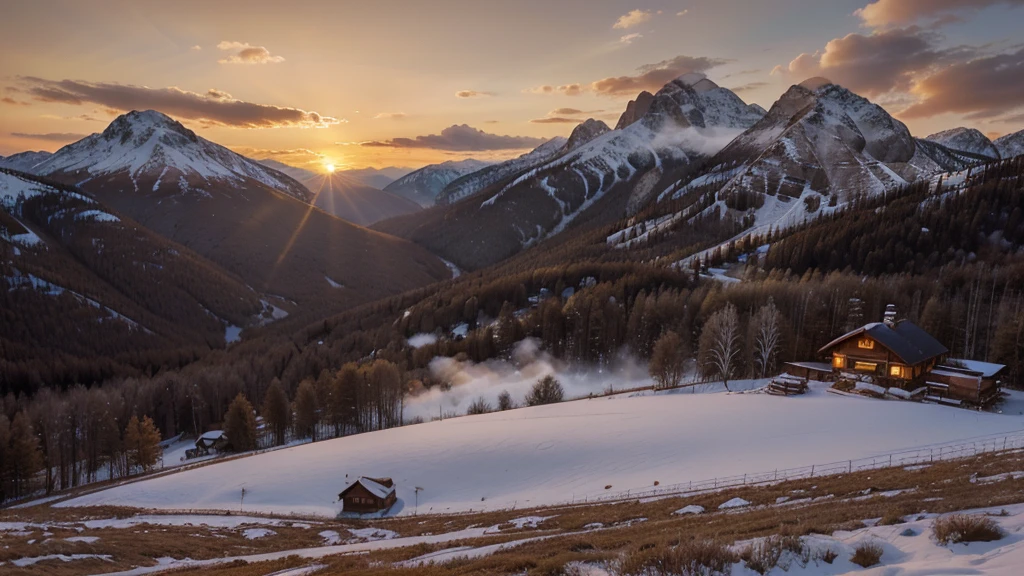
(968, 140)
(1010, 145)
(154, 150)
(24, 161)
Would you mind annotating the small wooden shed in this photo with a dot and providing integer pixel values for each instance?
(368, 495)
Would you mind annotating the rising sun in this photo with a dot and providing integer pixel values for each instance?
(330, 168)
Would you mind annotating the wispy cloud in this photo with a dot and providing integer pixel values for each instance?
(653, 77)
(13, 102)
(215, 107)
(632, 18)
(50, 136)
(629, 38)
(460, 138)
(556, 120)
(565, 89)
(244, 53)
(882, 13)
(748, 87)
(683, 12)
(473, 94)
(390, 116)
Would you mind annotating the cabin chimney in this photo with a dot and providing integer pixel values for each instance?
(890, 315)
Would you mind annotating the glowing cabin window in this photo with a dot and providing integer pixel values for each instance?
(865, 366)
(896, 371)
(839, 361)
(866, 344)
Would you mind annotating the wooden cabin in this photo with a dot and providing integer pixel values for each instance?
(899, 355)
(368, 495)
(892, 353)
(212, 441)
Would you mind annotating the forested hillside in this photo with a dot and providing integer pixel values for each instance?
(90, 295)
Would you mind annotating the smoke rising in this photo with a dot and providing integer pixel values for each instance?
(469, 381)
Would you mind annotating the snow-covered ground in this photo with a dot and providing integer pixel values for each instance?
(551, 454)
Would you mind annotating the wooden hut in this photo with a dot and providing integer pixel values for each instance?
(892, 353)
(368, 495)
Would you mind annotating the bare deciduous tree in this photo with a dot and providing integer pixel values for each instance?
(720, 344)
(766, 336)
(666, 366)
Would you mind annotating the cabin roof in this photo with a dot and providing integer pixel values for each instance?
(987, 369)
(375, 486)
(907, 340)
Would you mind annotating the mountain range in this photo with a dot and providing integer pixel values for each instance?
(692, 152)
(251, 219)
(422, 186)
(347, 197)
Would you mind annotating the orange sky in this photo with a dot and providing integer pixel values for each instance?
(257, 75)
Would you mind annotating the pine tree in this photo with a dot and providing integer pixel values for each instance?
(240, 424)
(142, 443)
(23, 455)
(276, 412)
(307, 413)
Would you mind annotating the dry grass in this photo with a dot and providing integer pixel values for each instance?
(820, 505)
(957, 528)
(866, 554)
(687, 558)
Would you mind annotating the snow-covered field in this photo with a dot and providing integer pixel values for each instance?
(551, 454)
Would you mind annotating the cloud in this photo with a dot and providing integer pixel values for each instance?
(565, 111)
(214, 107)
(50, 136)
(389, 116)
(876, 63)
(13, 102)
(682, 12)
(749, 86)
(473, 94)
(461, 138)
(631, 19)
(653, 77)
(881, 13)
(983, 87)
(556, 120)
(196, 48)
(565, 89)
(247, 54)
(628, 38)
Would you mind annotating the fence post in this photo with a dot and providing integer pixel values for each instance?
(890, 460)
(1004, 442)
(812, 470)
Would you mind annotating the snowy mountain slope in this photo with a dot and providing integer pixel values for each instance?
(968, 140)
(83, 280)
(613, 174)
(423, 185)
(474, 182)
(818, 147)
(156, 151)
(1011, 145)
(253, 221)
(557, 453)
(24, 161)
